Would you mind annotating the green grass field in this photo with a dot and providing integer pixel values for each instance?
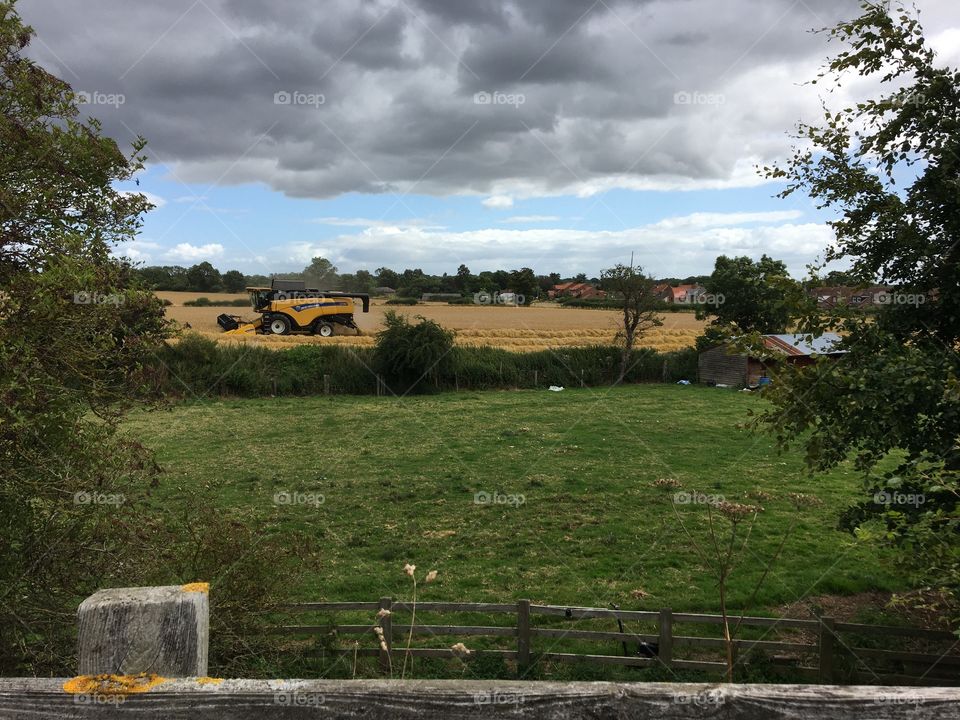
(398, 481)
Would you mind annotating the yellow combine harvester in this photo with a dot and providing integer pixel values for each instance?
(290, 307)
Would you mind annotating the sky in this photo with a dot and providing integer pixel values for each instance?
(562, 135)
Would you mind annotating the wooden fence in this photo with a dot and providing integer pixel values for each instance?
(829, 657)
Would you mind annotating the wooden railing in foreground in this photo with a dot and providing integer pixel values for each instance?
(835, 656)
(143, 654)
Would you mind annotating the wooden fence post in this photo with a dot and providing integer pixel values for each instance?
(665, 625)
(827, 636)
(159, 630)
(535, 375)
(386, 622)
(523, 633)
(581, 377)
(326, 384)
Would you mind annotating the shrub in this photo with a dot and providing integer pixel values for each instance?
(402, 301)
(412, 357)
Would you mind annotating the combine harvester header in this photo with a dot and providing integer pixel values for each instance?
(289, 306)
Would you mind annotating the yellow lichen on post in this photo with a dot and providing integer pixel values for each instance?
(112, 685)
(209, 681)
(196, 587)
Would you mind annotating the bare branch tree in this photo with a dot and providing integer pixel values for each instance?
(634, 290)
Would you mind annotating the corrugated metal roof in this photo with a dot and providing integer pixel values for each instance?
(801, 345)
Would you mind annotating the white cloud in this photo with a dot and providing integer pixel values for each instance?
(194, 253)
(676, 247)
(521, 219)
(151, 197)
(498, 202)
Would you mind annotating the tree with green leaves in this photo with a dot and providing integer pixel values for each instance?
(889, 168)
(633, 290)
(749, 295)
(78, 342)
(204, 277)
(233, 281)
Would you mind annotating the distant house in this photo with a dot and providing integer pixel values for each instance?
(575, 289)
(717, 366)
(663, 292)
(384, 291)
(686, 294)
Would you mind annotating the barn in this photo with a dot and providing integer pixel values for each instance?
(720, 366)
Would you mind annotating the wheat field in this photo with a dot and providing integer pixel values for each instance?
(522, 329)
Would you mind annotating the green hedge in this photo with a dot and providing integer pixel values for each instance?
(402, 301)
(198, 367)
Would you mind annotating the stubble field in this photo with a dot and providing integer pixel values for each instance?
(522, 329)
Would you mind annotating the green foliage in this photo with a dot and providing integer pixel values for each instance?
(234, 281)
(893, 402)
(633, 290)
(402, 301)
(412, 357)
(752, 296)
(78, 348)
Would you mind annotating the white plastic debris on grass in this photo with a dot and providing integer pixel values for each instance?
(555, 388)
(683, 382)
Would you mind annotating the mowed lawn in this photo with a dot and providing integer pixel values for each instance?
(399, 479)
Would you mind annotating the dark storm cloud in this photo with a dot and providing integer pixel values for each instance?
(382, 95)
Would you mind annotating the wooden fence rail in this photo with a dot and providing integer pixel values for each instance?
(836, 656)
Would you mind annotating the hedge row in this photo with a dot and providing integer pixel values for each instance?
(197, 366)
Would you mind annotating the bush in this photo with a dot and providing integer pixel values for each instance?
(402, 301)
(412, 357)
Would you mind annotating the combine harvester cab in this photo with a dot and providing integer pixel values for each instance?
(288, 306)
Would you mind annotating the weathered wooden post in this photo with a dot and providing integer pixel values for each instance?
(155, 630)
(326, 384)
(523, 634)
(827, 635)
(665, 647)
